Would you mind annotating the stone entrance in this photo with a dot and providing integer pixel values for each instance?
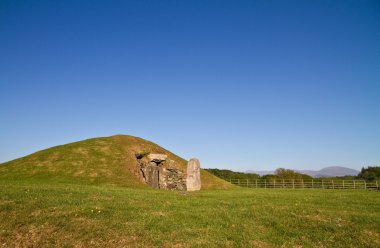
(152, 175)
(160, 173)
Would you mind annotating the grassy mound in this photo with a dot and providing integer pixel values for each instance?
(106, 160)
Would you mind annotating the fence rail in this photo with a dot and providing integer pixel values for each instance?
(306, 184)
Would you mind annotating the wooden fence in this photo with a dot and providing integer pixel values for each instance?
(305, 184)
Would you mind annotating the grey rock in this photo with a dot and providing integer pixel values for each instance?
(152, 174)
(193, 179)
(157, 172)
(171, 177)
(157, 158)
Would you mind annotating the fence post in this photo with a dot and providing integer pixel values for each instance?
(239, 182)
(303, 185)
(312, 183)
(293, 183)
(354, 184)
(377, 185)
(323, 186)
(343, 184)
(256, 183)
(247, 183)
(283, 183)
(274, 183)
(265, 181)
(365, 184)
(332, 181)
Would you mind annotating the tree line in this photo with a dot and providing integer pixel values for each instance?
(370, 173)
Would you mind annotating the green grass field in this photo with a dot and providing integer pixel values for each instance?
(88, 194)
(38, 214)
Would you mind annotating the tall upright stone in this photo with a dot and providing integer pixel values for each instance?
(193, 179)
(152, 175)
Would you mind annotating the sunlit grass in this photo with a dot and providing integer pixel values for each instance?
(82, 215)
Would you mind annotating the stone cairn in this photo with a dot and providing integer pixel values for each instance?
(159, 173)
(193, 179)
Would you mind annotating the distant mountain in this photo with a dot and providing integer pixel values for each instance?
(261, 173)
(332, 171)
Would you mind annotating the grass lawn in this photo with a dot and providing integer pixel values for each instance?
(74, 215)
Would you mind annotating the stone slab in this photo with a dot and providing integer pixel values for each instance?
(193, 178)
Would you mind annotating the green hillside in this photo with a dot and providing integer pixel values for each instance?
(106, 160)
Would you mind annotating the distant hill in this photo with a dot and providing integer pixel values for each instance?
(261, 173)
(332, 171)
(105, 160)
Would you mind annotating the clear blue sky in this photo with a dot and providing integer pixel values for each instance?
(244, 85)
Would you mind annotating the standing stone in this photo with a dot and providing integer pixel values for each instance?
(193, 179)
(152, 175)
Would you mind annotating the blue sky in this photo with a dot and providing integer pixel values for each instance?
(244, 85)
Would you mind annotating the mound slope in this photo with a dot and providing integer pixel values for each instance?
(105, 160)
